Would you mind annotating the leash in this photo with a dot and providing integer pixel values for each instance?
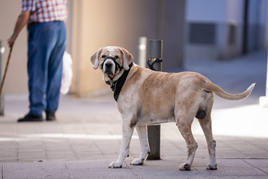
(151, 63)
(118, 85)
(6, 68)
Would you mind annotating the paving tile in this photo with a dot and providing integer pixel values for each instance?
(258, 162)
(8, 144)
(35, 170)
(9, 154)
(97, 169)
(31, 156)
(261, 164)
(8, 159)
(89, 155)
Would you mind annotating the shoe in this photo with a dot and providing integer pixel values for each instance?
(50, 116)
(31, 118)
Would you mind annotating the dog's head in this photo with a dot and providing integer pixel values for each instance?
(112, 60)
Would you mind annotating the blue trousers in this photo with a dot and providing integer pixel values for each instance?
(46, 45)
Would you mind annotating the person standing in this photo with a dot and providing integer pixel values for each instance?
(46, 45)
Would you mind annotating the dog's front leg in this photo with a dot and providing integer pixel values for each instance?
(142, 132)
(127, 132)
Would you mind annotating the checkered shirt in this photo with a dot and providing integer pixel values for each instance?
(45, 10)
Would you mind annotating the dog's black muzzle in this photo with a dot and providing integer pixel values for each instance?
(109, 66)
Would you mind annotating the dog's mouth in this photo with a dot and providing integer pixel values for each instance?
(109, 72)
(109, 66)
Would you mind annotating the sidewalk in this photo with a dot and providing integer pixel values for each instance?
(86, 136)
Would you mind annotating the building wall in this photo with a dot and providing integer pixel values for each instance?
(234, 11)
(228, 18)
(225, 20)
(121, 22)
(171, 21)
(103, 23)
(263, 19)
(205, 10)
(16, 80)
(257, 34)
(97, 23)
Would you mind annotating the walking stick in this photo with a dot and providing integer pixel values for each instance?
(5, 72)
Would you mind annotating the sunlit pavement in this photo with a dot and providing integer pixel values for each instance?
(86, 136)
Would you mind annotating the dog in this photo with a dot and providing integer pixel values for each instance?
(145, 97)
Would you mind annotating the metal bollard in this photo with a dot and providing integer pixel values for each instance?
(142, 51)
(154, 62)
(2, 101)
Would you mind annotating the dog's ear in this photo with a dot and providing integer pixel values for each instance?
(127, 58)
(95, 59)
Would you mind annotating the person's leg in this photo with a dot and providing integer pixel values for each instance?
(55, 69)
(41, 40)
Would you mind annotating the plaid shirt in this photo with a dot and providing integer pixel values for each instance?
(45, 10)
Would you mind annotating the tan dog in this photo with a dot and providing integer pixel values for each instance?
(149, 97)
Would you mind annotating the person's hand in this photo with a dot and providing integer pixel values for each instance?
(20, 23)
(12, 40)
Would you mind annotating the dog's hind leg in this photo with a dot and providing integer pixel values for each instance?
(184, 124)
(211, 143)
(142, 132)
(127, 132)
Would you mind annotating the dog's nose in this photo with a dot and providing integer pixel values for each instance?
(108, 65)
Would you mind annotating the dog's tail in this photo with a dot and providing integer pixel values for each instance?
(221, 93)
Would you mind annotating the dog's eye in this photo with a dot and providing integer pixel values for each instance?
(103, 56)
(116, 57)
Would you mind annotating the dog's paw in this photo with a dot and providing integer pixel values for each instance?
(185, 167)
(115, 164)
(214, 167)
(137, 161)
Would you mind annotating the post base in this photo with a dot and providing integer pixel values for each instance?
(153, 157)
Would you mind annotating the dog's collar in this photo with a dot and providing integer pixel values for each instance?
(117, 66)
(118, 84)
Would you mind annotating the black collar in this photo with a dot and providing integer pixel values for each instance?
(118, 84)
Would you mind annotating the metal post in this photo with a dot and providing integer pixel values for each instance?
(154, 62)
(142, 51)
(2, 101)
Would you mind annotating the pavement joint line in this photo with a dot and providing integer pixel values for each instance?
(136, 175)
(253, 166)
(45, 149)
(17, 152)
(72, 149)
(102, 153)
(235, 149)
(68, 170)
(262, 148)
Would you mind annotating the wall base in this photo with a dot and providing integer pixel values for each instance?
(263, 101)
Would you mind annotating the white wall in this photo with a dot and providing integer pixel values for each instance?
(261, 18)
(215, 10)
(206, 10)
(235, 11)
(222, 13)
